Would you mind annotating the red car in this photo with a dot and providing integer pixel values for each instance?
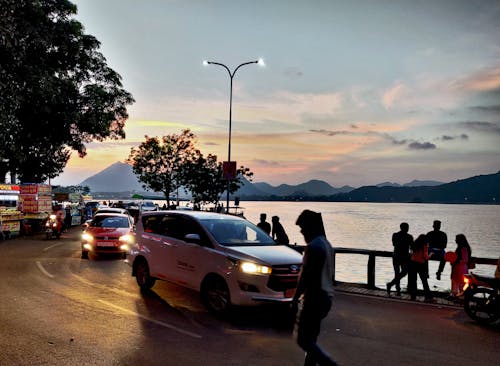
(107, 233)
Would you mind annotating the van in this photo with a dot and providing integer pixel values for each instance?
(228, 259)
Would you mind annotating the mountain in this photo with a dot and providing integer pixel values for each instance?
(478, 189)
(413, 183)
(419, 183)
(118, 177)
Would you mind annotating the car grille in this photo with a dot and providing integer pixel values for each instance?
(283, 277)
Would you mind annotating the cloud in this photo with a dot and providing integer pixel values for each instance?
(393, 95)
(480, 126)
(494, 109)
(463, 136)
(294, 72)
(486, 79)
(421, 146)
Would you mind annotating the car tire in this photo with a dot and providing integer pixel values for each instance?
(85, 254)
(142, 276)
(215, 294)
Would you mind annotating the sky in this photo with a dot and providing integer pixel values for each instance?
(352, 92)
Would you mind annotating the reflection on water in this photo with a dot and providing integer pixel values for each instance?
(370, 226)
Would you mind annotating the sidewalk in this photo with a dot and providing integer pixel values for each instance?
(439, 297)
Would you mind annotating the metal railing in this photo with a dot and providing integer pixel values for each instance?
(373, 254)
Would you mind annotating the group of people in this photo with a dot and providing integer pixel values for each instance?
(277, 232)
(411, 257)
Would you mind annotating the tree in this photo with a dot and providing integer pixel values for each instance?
(56, 91)
(161, 163)
(204, 179)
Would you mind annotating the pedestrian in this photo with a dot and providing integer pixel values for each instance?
(264, 225)
(460, 266)
(437, 245)
(314, 294)
(418, 265)
(278, 232)
(402, 242)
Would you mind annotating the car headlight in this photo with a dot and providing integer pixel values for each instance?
(87, 237)
(129, 239)
(253, 268)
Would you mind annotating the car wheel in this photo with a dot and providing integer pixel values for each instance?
(215, 294)
(85, 254)
(144, 280)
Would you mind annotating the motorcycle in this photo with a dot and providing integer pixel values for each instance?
(53, 227)
(482, 298)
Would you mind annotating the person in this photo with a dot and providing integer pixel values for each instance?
(418, 265)
(437, 245)
(314, 295)
(460, 266)
(278, 232)
(264, 225)
(402, 241)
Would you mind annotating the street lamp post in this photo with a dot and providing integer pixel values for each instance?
(231, 76)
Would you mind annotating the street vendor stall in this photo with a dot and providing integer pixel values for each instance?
(10, 217)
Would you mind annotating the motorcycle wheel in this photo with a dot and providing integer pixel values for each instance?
(479, 304)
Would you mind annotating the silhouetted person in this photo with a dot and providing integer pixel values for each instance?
(437, 245)
(278, 232)
(418, 265)
(402, 242)
(314, 293)
(263, 224)
(460, 266)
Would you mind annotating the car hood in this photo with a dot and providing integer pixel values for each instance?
(270, 255)
(110, 231)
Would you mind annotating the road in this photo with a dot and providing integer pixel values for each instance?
(57, 309)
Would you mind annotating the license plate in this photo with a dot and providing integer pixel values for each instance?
(105, 244)
(289, 292)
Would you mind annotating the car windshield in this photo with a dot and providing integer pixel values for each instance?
(235, 232)
(110, 221)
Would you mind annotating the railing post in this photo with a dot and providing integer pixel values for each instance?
(334, 270)
(371, 271)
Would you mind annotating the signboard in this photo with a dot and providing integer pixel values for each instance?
(12, 226)
(33, 188)
(10, 188)
(229, 170)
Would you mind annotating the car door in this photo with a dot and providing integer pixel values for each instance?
(193, 258)
(158, 249)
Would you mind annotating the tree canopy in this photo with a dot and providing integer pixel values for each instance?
(173, 162)
(160, 162)
(57, 93)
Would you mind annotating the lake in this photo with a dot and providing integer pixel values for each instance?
(371, 225)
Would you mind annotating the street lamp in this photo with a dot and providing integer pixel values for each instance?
(231, 76)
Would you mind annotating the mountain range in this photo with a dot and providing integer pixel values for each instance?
(118, 180)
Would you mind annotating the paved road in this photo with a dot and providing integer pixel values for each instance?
(57, 309)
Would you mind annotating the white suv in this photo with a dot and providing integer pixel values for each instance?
(228, 259)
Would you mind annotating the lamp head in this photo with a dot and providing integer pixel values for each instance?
(261, 62)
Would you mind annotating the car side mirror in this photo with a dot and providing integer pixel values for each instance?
(192, 238)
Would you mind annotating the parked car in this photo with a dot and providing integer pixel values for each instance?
(108, 233)
(147, 206)
(112, 210)
(229, 260)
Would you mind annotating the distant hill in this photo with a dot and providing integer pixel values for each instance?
(119, 177)
(413, 183)
(115, 178)
(479, 189)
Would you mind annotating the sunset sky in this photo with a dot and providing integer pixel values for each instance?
(353, 92)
